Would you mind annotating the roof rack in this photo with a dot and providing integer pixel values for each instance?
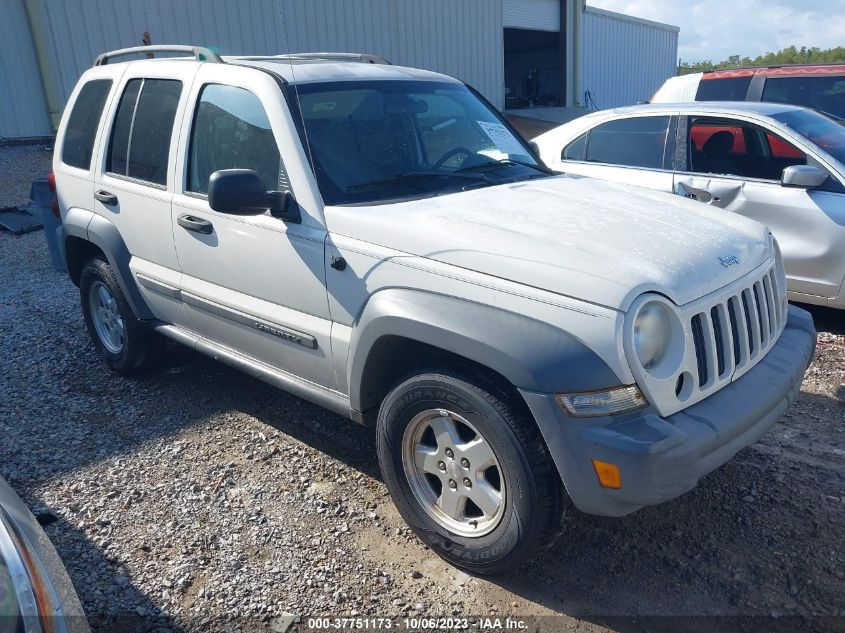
(200, 53)
(364, 58)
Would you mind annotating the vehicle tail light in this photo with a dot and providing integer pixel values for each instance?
(54, 203)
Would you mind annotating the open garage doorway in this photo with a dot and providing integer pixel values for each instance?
(533, 74)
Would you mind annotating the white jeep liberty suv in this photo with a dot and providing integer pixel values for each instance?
(378, 240)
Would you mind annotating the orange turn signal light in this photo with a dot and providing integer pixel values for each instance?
(608, 474)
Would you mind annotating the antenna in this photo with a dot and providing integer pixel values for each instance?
(290, 58)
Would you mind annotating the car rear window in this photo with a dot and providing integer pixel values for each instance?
(638, 142)
(140, 141)
(81, 131)
(826, 94)
(723, 89)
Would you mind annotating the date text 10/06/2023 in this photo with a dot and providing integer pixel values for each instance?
(417, 624)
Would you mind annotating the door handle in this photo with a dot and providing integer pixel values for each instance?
(106, 197)
(197, 225)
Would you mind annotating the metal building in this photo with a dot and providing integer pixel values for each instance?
(518, 53)
(626, 59)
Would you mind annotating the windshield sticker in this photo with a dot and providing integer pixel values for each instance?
(502, 138)
(324, 106)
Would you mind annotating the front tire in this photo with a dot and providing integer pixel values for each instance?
(468, 470)
(124, 343)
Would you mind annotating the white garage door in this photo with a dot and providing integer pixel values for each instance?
(538, 15)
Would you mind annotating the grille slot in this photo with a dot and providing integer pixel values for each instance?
(700, 349)
(735, 331)
(719, 335)
(753, 334)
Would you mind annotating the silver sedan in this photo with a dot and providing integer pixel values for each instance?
(780, 164)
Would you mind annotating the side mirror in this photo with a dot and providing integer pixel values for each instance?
(240, 192)
(803, 176)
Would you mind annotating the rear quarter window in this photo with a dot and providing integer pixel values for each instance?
(576, 150)
(723, 89)
(81, 130)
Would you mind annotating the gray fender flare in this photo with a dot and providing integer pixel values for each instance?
(530, 354)
(102, 233)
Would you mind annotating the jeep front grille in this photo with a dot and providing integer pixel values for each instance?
(736, 330)
(725, 334)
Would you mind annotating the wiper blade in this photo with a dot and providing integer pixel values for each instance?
(415, 175)
(510, 161)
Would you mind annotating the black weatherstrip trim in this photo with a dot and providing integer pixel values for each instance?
(682, 155)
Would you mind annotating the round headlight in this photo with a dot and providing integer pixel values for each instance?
(652, 333)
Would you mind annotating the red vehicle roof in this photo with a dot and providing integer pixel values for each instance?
(776, 71)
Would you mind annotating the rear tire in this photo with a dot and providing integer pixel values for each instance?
(468, 470)
(126, 345)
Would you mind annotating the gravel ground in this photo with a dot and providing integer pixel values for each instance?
(198, 496)
(19, 164)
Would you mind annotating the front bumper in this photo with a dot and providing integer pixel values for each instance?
(661, 458)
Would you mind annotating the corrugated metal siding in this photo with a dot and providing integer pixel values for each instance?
(538, 15)
(624, 60)
(458, 38)
(23, 106)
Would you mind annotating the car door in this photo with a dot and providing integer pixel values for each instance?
(736, 165)
(254, 284)
(133, 184)
(632, 150)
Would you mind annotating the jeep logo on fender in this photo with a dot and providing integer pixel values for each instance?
(730, 260)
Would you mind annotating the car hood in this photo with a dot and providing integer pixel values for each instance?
(592, 240)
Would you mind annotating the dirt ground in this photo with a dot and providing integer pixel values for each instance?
(197, 498)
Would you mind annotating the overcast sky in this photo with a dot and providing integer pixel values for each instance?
(714, 29)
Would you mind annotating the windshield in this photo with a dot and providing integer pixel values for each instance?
(373, 141)
(815, 127)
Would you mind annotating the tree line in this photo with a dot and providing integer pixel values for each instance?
(788, 55)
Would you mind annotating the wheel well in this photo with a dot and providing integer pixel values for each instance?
(393, 358)
(77, 252)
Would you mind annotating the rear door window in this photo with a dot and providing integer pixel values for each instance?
(81, 131)
(723, 89)
(639, 142)
(140, 141)
(826, 94)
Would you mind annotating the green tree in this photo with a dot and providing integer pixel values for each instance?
(788, 55)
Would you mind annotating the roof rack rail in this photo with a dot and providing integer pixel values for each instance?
(200, 53)
(364, 58)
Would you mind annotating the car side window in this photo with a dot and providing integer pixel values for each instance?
(576, 150)
(140, 140)
(231, 131)
(826, 94)
(734, 148)
(638, 142)
(81, 132)
(723, 88)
